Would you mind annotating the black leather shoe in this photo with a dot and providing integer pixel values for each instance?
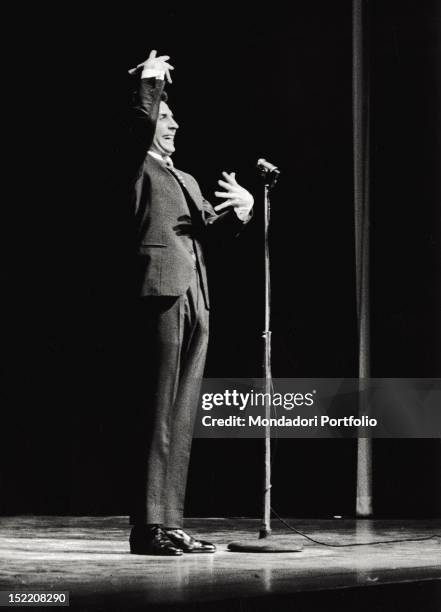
(185, 542)
(152, 541)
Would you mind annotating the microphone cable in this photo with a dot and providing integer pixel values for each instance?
(306, 536)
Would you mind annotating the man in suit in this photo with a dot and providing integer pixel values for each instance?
(172, 222)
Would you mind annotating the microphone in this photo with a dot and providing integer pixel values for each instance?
(265, 166)
(267, 169)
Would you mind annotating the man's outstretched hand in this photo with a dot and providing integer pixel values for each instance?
(236, 196)
(155, 63)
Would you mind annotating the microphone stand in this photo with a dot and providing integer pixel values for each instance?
(269, 174)
(269, 179)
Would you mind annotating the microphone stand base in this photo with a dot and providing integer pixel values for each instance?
(267, 545)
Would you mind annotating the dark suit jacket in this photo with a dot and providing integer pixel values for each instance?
(167, 234)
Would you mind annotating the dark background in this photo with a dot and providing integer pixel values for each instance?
(268, 82)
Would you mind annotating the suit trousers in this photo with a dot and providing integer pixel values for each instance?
(172, 339)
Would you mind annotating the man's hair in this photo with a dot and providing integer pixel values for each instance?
(164, 96)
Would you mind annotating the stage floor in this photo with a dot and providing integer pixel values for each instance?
(89, 557)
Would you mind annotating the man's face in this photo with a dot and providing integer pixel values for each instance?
(164, 138)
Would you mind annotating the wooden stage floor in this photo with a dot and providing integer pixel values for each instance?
(89, 557)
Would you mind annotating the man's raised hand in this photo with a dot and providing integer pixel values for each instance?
(236, 196)
(155, 63)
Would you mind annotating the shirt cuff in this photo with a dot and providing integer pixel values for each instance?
(152, 73)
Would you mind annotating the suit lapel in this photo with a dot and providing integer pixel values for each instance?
(192, 192)
(189, 188)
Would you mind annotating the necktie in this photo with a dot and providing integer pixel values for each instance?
(176, 173)
(191, 206)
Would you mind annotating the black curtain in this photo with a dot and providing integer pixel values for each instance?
(247, 84)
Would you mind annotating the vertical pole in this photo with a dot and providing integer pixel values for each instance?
(266, 523)
(360, 114)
